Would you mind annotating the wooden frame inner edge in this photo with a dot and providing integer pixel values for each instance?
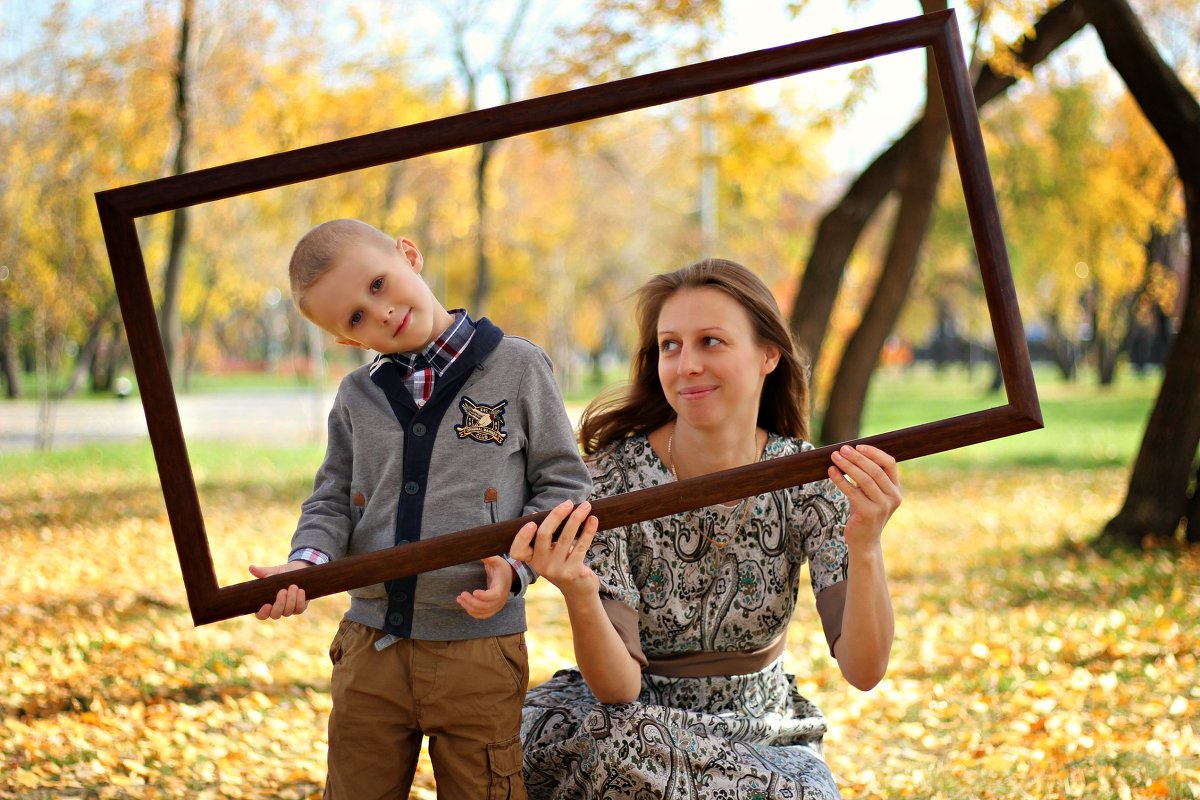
(119, 207)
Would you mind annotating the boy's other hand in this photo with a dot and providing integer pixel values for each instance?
(484, 603)
(289, 601)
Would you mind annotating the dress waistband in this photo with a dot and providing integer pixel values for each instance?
(715, 662)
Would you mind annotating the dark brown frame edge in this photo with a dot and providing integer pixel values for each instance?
(118, 208)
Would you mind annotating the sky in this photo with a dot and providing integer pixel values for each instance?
(884, 114)
(751, 25)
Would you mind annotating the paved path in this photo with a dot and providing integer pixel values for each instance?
(284, 417)
(296, 417)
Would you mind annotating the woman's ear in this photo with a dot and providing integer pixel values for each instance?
(770, 359)
(411, 254)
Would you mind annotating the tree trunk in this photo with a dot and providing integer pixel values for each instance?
(87, 353)
(918, 194)
(10, 364)
(1157, 499)
(842, 225)
(109, 357)
(170, 329)
(1192, 529)
(1064, 348)
(504, 69)
(483, 268)
(1111, 337)
(191, 357)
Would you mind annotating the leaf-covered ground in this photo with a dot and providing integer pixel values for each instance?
(1024, 665)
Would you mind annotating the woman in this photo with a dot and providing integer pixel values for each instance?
(679, 623)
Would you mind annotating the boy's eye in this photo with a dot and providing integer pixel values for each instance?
(377, 284)
(355, 318)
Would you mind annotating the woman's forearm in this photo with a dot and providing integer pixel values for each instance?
(605, 663)
(868, 624)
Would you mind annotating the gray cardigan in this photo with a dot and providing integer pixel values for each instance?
(493, 442)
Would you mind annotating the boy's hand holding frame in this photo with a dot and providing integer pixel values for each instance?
(118, 208)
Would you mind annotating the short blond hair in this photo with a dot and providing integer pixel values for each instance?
(317, 250)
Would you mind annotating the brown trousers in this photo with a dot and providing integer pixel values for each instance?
(464, 695)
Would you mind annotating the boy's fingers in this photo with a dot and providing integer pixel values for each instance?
(277, 607)
(294, 599)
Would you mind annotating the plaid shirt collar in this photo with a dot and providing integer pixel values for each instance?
(439, 354)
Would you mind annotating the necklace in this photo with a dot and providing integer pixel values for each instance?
(722, 539)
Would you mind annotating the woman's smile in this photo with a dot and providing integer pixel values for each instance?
(692, 394)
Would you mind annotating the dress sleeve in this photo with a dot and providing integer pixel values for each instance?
(819, 515)
(611, 557)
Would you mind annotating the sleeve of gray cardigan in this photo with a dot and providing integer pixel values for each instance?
(554, 469)
(325, 516)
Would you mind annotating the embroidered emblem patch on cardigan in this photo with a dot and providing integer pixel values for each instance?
(482, 423)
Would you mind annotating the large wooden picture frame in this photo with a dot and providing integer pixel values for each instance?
(118, 208)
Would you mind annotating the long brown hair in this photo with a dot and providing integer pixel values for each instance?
(641, 406)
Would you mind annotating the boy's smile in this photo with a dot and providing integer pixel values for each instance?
(375, 298)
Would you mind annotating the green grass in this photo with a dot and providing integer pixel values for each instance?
(1086, 426)
(215, 466)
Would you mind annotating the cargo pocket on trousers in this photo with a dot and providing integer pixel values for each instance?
(337, 647)
(504, 763)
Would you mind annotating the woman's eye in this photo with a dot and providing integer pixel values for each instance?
(667, 346)
(355, 318)
(377, 284)
(711, 341)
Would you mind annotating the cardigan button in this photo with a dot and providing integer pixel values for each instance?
(419, 429)
(411, 487)
(396, 619)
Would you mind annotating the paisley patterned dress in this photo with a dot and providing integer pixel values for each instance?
(748, 736)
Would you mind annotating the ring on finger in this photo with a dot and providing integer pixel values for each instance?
(850, 480)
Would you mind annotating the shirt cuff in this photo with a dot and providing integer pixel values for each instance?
(310, 554)
(525, 575)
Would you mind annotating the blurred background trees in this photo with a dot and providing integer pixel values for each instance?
(548, 233)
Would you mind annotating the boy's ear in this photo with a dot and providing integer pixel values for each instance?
(411, 254)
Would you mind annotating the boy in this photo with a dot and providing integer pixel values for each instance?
(452, 426)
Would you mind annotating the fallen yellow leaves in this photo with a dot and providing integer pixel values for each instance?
(1024, 665)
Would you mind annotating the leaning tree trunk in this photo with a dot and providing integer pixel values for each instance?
(842, 225)
(918, 195)
(170, 328)
(1157, 499)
